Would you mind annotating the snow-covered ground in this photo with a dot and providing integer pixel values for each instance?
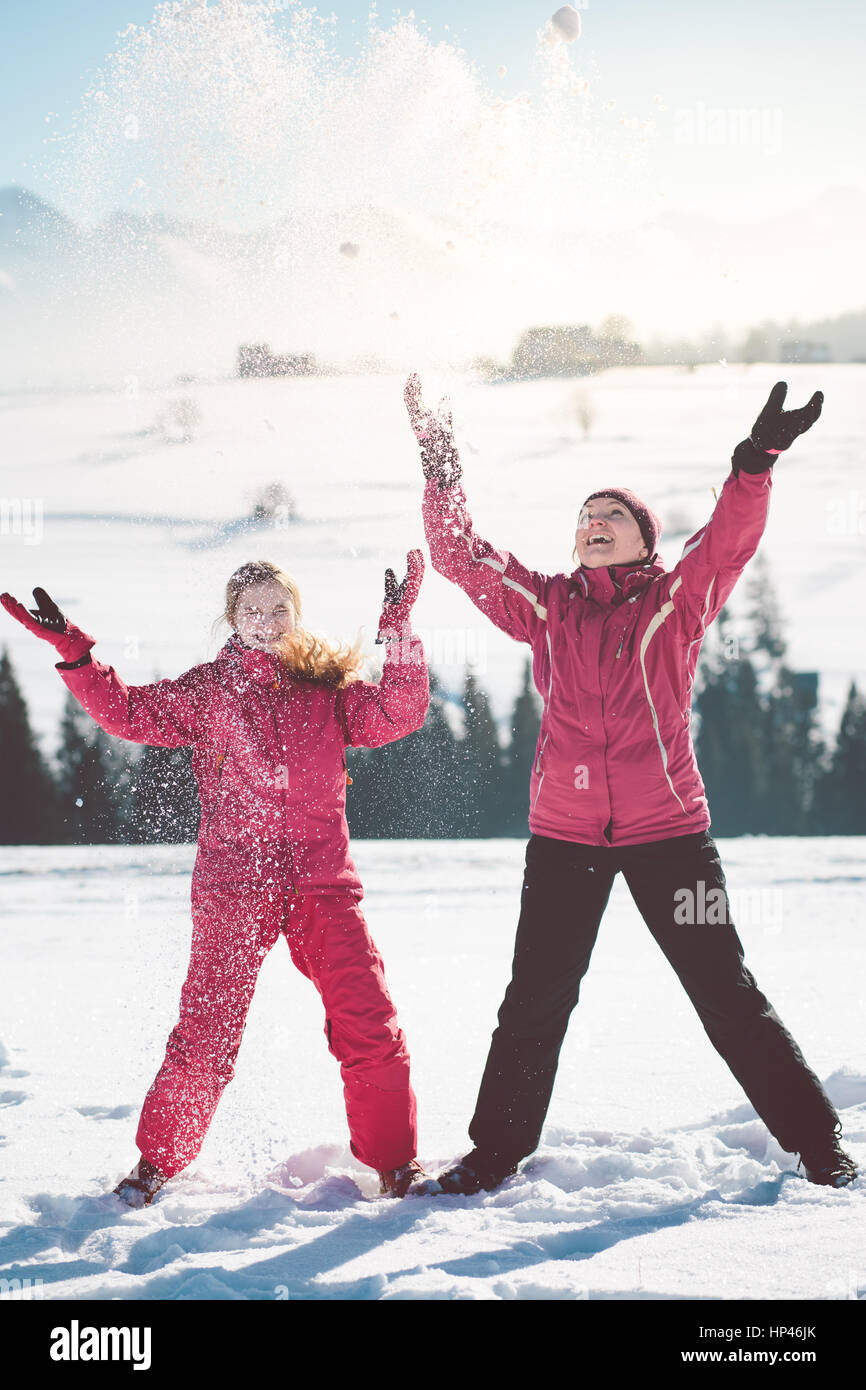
(654, 1181)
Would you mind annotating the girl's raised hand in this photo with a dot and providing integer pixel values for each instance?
(399, 598)
(776, 429)
(435, 434)
(47, 621)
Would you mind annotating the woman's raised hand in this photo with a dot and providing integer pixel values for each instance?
(399, 598)
(47, 621)
(435, 434)
(776, 429)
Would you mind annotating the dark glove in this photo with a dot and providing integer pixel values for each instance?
(399, 598)
(47, 621)
(435, 434)
(775, 430)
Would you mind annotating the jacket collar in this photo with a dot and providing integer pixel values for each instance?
(257, 665)
(614, 584)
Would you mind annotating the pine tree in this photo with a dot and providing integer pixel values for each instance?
(93, 774)
(839, 806)
(28, 803)
(763, 615)
(165, 805)
(406, 788)
(791, 747)
(730, 744)
(758, 746)
(361, 814)
(524, 725)
(481, 761)
(435, 771)
(792, 752)
(378, 798)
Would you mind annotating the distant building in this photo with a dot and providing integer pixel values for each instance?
(569, 350)
(616, 352)
(256, 359)
(804, 350)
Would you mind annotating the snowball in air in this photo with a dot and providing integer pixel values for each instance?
(566, 23)
(349, 248)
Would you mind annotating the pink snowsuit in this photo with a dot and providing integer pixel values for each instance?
(273, 858)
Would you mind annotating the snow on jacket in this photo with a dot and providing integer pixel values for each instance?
(614, 662)
(268, 755)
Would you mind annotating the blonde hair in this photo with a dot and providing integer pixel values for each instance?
(307, 656)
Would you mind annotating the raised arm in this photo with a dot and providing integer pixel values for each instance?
(166, 713)
(510, 595)
(714, 557)
(372, 713)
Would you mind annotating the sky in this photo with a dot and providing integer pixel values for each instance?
(686, 164)
(800, 65)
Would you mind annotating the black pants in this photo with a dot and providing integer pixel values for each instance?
(566, 887)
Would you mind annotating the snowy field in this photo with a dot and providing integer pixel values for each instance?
(654, 1181)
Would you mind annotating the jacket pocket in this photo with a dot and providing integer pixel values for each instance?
(217, 791)
(538, 771)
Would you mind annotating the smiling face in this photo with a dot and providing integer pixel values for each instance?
(607, 534)
(264, 614)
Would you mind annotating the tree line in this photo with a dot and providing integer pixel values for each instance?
(766, 766)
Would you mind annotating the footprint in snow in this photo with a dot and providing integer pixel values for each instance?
(105, 1112)
(332, 1193)
(5, 1067)
(12, 1097)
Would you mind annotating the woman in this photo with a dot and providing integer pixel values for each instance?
(615, 787)
(269, 721)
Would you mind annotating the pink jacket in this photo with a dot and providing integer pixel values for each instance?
(268, 755)
(614, 762)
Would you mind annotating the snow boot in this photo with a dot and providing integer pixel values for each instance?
(399, 1182)
(474, 1172)
(828, 1164)
(140, 1187)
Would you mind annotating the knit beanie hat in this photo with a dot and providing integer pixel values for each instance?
(650, 526)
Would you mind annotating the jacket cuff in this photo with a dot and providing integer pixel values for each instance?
(73, 665)
(748, 458)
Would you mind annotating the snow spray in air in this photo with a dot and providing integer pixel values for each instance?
(235, 178)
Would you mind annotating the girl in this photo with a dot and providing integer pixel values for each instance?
(269, 721)
(615, 788)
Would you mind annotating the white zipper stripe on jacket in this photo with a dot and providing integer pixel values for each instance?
(701, 634)
(660, 617)
(687, 550)
(512, 584)
(547, 735)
